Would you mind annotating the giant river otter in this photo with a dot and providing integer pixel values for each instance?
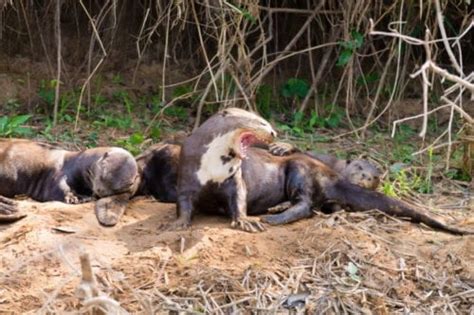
(45, 173)
(211, 156)
(359, 172)
(269, 180)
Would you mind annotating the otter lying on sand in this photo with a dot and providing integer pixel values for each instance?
(269, 180)
(359, 172)
(45, 173)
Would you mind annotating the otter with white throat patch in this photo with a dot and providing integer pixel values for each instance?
(270, 180)
(211, 156)
(45, 173)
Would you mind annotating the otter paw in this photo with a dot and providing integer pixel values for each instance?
(252, 225)
(9, 210)
(108, 212)
(7, 218)
(70, 198)
(280, 208)
(281, 148)
(274, 219)
(179, 224)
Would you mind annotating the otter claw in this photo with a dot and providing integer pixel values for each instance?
(280, 207)
(248, 225)
(9, 210)
(70, 198)
(179, 224)
(280, 148)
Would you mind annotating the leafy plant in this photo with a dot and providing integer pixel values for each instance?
(349, 47)
(332, 120)
(13, 126)
(47, 91)
(117, 79)
(182, 90)
(295, 88)
(116, 122)
(132, 143)
(367, 79)
(458, 174)
(263, 99)
(176, 111)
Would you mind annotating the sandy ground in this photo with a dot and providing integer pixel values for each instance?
(213, 268)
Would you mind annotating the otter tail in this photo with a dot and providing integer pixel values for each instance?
(357, 198)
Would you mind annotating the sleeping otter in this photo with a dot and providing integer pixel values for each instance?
(269, 180)
(45, 173)
(359, 172)
(212, 155)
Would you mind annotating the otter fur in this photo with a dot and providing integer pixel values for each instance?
(212, 155)
(359, 172)
(270, 180)
(46, 173)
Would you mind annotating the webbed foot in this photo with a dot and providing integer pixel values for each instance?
(181, 223)
(280, 207)
(9, 210)
(281, 148)
(247, 224)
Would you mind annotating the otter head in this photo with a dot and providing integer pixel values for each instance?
(362, 173)
(233, 131)
(114, 173)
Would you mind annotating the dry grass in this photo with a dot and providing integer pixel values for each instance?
(342, 263)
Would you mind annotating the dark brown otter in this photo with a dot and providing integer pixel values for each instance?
(270, 180)
(212, 155)
(360, 172)
(45, 173)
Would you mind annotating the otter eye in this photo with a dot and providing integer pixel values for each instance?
(359, 167)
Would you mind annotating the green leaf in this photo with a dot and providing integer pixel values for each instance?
(19, 120)
(298, 119)
(22, 131)
(333, 121)
(369, 78)
(358, 39)
(136, 138)
(313, 120)
(3, 124)
(182, 90)
(344, 57)
(295, 87)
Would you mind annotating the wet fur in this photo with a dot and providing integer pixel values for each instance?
(45, 173)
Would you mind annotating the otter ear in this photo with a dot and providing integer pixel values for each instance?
(103, 157)
(348, 161)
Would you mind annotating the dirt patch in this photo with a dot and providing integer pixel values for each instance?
(359, 262)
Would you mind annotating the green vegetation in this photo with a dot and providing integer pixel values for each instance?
(349, 47)
(14, 126)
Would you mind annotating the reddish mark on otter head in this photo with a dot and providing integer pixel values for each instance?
(247, 139)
